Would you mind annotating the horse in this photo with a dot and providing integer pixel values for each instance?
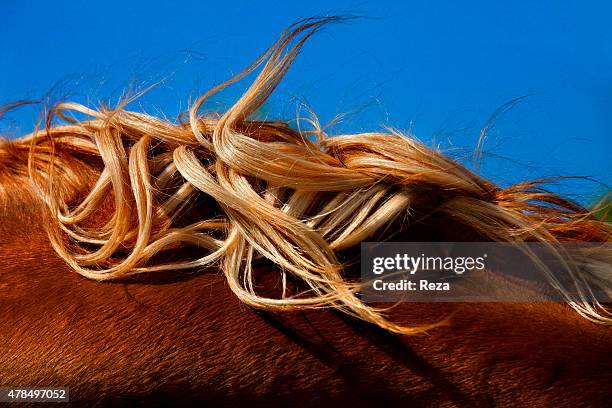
(212, 260)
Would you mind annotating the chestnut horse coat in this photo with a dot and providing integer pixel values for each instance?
(177, 340)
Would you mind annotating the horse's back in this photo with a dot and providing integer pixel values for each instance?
(158, 339)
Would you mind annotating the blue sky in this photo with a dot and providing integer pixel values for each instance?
(439, 69)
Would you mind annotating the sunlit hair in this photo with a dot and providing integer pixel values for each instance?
(124, 192)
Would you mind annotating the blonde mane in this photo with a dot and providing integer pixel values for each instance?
(123, 191)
